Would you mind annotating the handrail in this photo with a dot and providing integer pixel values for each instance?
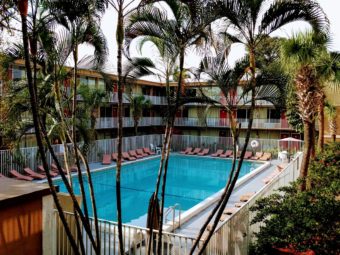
(173, 210)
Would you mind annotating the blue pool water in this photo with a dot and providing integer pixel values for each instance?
(190, 180)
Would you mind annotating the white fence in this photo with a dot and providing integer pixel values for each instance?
(29, 156)
(232, 237)
(135, 239)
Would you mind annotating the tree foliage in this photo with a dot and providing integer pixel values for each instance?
(307, 220)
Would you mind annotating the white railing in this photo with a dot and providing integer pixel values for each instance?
(224, 122)
(103, 123)
(135, 239)
(234, 235)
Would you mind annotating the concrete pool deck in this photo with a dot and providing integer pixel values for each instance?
(191, 227)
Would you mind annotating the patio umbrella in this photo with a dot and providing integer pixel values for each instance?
(289, 140)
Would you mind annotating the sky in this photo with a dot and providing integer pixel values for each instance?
(330, 7)
(109, 19)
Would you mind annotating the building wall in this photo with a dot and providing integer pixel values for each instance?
(333, 96)
(21, 228)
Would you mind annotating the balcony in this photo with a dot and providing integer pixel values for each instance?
(106, 123)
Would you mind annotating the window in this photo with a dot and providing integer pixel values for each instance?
(105, 112)
(242, 113)
(101, 84)
(91, 82)
(127, 112)
(18, 73)
(273, 114)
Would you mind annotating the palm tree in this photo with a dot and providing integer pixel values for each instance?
(306, 57)
(332, 116)
(23, 11)
(187, 27)
(137, 104)
(250, 28)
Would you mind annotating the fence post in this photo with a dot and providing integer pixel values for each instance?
(49, 235)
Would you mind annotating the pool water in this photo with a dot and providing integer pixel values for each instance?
(190, 180)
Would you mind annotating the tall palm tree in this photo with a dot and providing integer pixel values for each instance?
(23, 11)
(305, 56)
(251, 22)
(187, 25)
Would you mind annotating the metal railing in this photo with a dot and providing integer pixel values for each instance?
(172, 210)
(135, 239)
(112, 122)
(235, 234)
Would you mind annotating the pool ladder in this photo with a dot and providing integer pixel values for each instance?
(172, 209)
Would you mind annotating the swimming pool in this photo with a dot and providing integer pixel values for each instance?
(190, 180)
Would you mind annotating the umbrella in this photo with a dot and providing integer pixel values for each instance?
(290, 139)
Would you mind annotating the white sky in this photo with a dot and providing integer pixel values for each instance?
(109, 19)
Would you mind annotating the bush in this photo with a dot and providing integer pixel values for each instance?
(308, 220)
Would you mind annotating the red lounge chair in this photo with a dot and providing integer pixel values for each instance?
(115, 157)
(204, 152)
(195, 151)
(125, 155)
(266, 156)
(217, 153)
(140, 152)
(106, 159)
(257, 155)
(270, 177)
(19, 176)
(134, 154)
(54, 168)
(187, 150)
(33, 174)
(42, 170)
(147, 150)
(248, 155)
(227, 154)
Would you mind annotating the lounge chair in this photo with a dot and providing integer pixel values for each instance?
(19, 176)
(257, 155)
(204, 152)
(115, 157)
(55, 169)
(227, 154)
(187, 150)
(248, 155)
(217, 153)
(230, 210)
(266, 156)
(106, 159)
(245, 197)
(33, 174)
(147, 150)
(42, 170)
(270, 177)
(195, 151)
(125, 155)
(134, 154)
(141, 153)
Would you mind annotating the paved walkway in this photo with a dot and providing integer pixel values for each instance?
(192, 227)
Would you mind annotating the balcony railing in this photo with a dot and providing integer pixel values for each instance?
(103, 123)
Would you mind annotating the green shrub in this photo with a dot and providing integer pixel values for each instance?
(303, 220)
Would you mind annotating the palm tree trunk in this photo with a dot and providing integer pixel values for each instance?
(23, 5)
(308, 137)
(321, 121)
(233, 177)
(120, 40)
(172, 122)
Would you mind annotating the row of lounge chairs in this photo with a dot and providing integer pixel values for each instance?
(228, 153)
(130, 155)
(40, 174)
